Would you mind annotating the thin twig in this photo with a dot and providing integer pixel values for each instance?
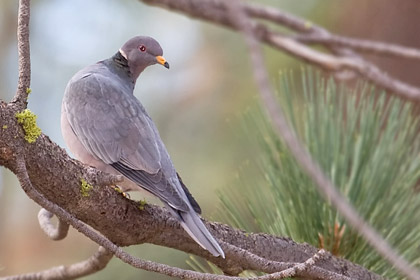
(24, 81)
(95, 263)
(212, 10)
(288, 20)
(281, 126)
(275, 269)
(367, 46)
(298, 268)
(54, 233)
(336, 63)
(312, 33)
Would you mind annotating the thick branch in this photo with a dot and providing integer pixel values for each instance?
(24, 55)
(57, 177)
(91, 265)
(95, 263)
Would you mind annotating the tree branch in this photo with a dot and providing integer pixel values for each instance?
(293, 271)
(57, 177)
(24, 81)
(213, 11)
(89, 266)
(287, 134)
(265, 265)
(95, 263)
(313, 33)
(277, 269)
(54, 233)
(366, 46)
(52, 179)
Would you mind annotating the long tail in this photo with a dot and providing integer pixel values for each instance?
(193, 225)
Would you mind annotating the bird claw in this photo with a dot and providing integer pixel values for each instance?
(119, 190)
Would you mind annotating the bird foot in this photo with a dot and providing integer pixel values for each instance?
(119, 190)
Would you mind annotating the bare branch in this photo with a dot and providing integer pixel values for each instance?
(367, 46)
(313, 33)
(55, 233)
(293, 271)
(95, 263)
(333, 63)
(213, 11)
(280, 124)
(278, 269)
(24, 81)
(288, 20)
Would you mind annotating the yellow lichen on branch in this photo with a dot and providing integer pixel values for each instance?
(85, 187)
(28, 121)
(142, 204)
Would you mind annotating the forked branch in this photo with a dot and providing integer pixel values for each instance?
(339, 60)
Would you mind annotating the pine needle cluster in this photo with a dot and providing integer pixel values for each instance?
(367, 142)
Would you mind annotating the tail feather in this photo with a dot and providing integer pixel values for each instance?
(193, 225)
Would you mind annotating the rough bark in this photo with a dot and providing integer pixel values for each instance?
(58, 177)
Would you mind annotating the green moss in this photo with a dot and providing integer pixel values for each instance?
(5, 126)
(142, 203)
(28, 90)
(28, 121)
(85, 187)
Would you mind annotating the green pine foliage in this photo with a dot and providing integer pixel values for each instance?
(368, 144)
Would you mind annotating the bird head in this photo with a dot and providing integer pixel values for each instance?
(140, 52)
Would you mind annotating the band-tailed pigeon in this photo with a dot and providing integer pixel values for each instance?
(105, 125)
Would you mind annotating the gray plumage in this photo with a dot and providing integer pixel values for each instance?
(106, 126)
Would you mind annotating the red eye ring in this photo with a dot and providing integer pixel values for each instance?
(142, 48)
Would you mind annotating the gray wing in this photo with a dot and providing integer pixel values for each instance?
(114, 127)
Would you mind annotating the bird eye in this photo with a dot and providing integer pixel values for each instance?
(142, 48)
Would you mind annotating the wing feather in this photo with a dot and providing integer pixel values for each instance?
(114, 127)
(110, 126)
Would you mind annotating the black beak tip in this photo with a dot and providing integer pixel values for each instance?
(166, 64)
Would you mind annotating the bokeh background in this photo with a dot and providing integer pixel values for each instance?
(197, 104)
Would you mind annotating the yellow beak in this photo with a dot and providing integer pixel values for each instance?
(161, 60)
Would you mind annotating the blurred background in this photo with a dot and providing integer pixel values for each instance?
(197, 104)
